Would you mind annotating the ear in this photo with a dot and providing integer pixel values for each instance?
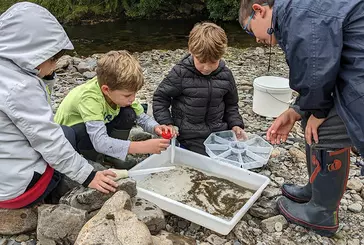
(259, 9)
(105, 89)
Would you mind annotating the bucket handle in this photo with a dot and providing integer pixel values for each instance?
(288, 103)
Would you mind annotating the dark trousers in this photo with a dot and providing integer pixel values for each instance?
(125, 120)
(195, 145)
(332, 133)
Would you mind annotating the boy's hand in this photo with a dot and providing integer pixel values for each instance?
(240, 133)
(165, 128)
(312, 126)
(281, 127)
(103, 181)
(155, 146)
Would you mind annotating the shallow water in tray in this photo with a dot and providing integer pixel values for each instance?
(214, 195)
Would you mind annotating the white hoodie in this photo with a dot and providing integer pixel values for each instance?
(29, 139)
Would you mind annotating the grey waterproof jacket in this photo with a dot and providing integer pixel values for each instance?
(324, 45)
(29, 139)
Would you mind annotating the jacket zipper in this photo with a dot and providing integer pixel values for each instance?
(208, 103)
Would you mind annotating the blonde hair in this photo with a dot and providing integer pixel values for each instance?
(119, 70)
(207, 42)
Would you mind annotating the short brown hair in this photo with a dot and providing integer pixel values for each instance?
(207, 42)
(120, 71)
(246, 8)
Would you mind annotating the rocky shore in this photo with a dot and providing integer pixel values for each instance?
(261, 225)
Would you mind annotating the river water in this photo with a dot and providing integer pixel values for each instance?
(144, 35)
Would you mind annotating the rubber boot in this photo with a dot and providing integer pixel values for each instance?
(328, 180)
(297, 193)
(92, 155)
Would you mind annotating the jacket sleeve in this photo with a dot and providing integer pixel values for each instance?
(169, 88)
(232, 115)
(313, 46)
(28, 109)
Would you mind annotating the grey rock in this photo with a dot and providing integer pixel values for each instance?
(271, 192)
(166, 238)
(89, 64)
(64, 62)
(216, 240)
(22, 238)
(114, 225)
(354, 184)
(264, 208)
(59, 224)
(297, 154)
(17, 221)
(182, 224)
(355, 207)
(83, 67)
(194, 227)
(270, 225)
(243, 234)
(149, 214)
(91, 199)
(89, 74)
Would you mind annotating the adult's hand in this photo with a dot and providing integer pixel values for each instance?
(281, 127)
(312, 126)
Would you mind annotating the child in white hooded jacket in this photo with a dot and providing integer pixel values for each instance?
(34, 152)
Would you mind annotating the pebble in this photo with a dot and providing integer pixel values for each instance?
(22, 238)
(355, 207)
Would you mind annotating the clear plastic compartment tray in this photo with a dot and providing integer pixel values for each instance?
(251, 153)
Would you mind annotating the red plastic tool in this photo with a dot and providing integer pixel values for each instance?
(167, 135)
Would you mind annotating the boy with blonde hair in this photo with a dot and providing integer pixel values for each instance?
(103, 111)
(201, 91)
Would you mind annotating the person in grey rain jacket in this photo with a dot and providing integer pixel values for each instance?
(34, 152)
(324, 46)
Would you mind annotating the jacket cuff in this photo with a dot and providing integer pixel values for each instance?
(239, 124)
(297, 109)
(166, 122)
(320, 113)
(89, 179)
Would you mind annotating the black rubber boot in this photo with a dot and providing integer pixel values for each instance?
(297, 193)
(92, 155)
(127, 164)
(328, 180)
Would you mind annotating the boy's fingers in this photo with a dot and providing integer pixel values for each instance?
(110, 182)
(107, 187)
(164, 141)
(101, 189)
(109, 172)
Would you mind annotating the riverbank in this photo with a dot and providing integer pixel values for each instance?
(262, 224)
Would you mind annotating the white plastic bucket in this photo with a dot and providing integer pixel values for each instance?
(272, 96)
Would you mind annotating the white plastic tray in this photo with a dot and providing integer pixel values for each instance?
(242, 177)
(251, 153)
